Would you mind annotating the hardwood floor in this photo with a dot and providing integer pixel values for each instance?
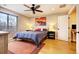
(58, 47)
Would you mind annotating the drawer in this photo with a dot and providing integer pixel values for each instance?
(51, 35)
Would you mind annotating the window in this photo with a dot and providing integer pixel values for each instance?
(12, 23)
(8, 22)
(3, 22)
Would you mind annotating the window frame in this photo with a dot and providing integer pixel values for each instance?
(8, 20)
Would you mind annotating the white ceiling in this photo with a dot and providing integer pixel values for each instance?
(47, 9)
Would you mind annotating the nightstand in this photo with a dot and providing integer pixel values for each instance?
(51, 35)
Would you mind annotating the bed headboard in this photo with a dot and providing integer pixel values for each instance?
(41, 29)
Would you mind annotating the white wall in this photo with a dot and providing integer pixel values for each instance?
(77, 36)
(52, 22)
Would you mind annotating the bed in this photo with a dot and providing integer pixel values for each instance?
(35, 36)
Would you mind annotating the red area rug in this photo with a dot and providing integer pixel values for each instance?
(23, 47)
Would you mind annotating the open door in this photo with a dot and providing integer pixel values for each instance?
(63, 27)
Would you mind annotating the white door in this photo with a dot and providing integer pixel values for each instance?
(77, 35)
(63, 27)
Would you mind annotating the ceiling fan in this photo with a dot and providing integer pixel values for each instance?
(33, 8)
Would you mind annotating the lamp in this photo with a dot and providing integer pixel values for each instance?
(52, 27)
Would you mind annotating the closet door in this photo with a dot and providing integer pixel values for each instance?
(63, 27)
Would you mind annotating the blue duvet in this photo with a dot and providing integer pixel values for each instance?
(36, 36)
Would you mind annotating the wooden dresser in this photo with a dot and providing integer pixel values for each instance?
(3, 42)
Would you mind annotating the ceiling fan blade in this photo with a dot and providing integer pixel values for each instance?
(27, 6)
(27, 10)
(37, 6)
(33, 12)
(39, 10)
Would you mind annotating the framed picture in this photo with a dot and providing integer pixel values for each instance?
(40, 21)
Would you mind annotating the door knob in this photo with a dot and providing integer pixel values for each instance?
(58, 28)
(77, 32)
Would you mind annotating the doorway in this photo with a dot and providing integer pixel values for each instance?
(72, 25)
